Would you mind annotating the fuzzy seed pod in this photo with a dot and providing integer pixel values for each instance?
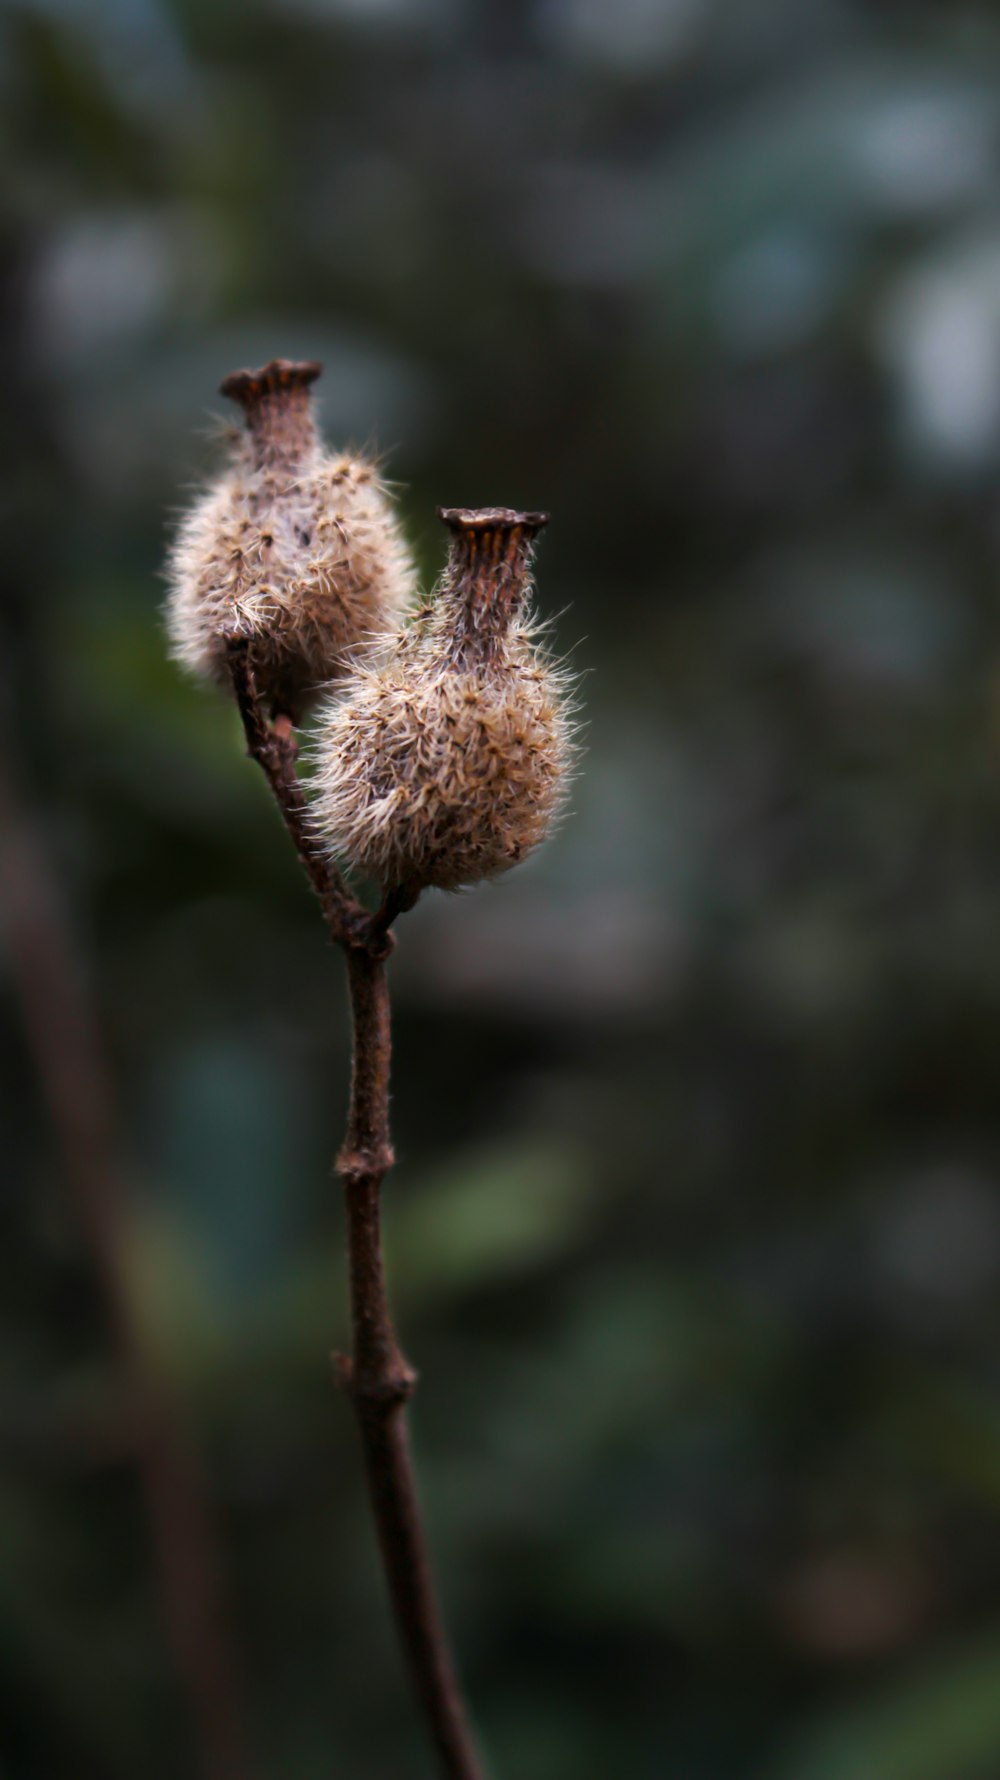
(295, 546)
(446, 760)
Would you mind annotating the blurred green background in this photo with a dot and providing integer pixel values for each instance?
(695, 1236)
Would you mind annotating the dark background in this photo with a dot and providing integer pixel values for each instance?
(695, 1236)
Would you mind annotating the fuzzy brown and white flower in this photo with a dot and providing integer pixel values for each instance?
(446, 759)
(295, 546)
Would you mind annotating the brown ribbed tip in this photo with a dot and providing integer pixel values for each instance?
(282, 373)
(491, 519)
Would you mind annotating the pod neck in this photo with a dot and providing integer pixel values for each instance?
(277, 404)
(488, 577)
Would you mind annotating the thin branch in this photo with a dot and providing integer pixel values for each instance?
(376, 1376)
(66, 1044)
(273, 747)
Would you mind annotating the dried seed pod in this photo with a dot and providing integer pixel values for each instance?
(295, 546)
(446, 760)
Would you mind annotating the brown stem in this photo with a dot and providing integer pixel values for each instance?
(376, 1376)
(63, 1034)
(273, 748)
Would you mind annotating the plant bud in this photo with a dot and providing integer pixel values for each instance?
(446, 760)
(296, 547)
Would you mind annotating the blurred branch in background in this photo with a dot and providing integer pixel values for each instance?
(65, 1043)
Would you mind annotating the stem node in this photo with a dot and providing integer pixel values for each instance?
(355, 1166)
(376, 1395)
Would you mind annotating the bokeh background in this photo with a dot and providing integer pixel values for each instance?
(695, 1236)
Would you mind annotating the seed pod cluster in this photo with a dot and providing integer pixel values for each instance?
(445, 761)
(295, 546)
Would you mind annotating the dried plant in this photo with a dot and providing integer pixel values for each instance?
(441, 760)
(446, 759)
(297, 545)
